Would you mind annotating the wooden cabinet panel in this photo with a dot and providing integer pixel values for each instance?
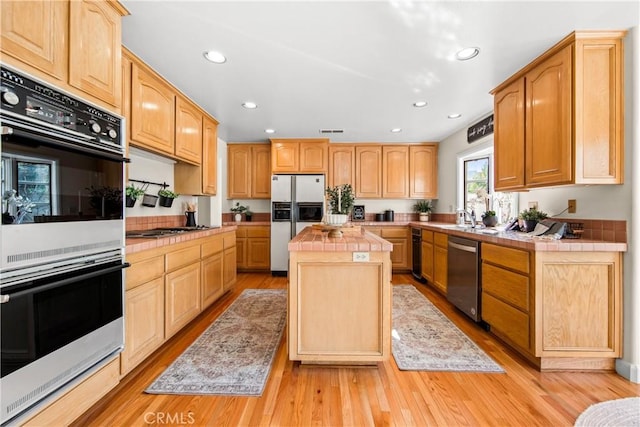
(182, 257)
(143, 271)
(94, 50)
(212, 285)
(508, 137)
(510, 287)
(440, 260)
(144, 323)
(229, 273)
(241, 253)
(423, 171)
(548, 94)
(395, 172)
(285, 156)
(578, 302)
(126, 101)
(394, 232)
(35, 33)
(152, 111)
(258, 253)
(313, 156)
(182, 297)
(260, 172)
(507, 320)
(514, 259)
(427, 261)
(368, 172)
(342, 161)
(188, 123)
(209, 156)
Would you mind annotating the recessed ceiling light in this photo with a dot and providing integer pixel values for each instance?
(396, 130)
(467, 53)
(250, 105)
(270, 131)
(454, 116)
(215, 57)
(420, 104)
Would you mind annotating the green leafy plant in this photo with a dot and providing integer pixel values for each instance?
(488, 214)
(134, 192)
(532, 214)
(238, 208)
(423, 206)
(167, 193)
(341, 199)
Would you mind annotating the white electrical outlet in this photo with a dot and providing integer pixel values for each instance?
(361, 257)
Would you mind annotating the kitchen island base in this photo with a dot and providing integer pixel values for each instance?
(340, 309)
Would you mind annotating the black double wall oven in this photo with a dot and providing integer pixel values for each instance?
(62, 263)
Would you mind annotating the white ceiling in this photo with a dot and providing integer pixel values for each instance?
(357, 66)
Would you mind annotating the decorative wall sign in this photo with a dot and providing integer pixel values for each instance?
(480, 129)
(358, 213)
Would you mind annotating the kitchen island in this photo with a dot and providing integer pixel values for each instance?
(339, 297)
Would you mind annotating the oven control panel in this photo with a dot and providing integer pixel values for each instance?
(25, 97)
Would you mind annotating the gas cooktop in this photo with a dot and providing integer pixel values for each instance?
(156, 233)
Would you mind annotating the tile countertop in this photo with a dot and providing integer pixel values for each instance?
(315, 239)
(523, 240)
(138, 245)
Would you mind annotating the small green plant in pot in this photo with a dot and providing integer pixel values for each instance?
(341, 200)
(423, 207)
(530, 217)
(132, 194)
(489, 219)
(238, 210)
(166, 197)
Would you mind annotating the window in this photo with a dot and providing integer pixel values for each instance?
(475, 185)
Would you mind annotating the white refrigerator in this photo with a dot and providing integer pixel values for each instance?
(290, 196)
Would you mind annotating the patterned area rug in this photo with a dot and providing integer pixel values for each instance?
(423, 339)
(613, 413)
(234, 355)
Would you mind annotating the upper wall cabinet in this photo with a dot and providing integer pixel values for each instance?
(200, 179)
(369, 171)
(248, 171)
(559, 120)
(423, 171)
(299, 155)
(395, 171)
(74, 45)
(342, 162)
(188, 131)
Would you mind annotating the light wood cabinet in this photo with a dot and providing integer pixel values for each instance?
(400, 238)
(440, 259)
(182, 297)
(212, 285)
(73, 44)
(342, 165)
(144, 323)
(368, 171)
(202, 178)
(299, 155)
(253, 248)
(152, 111)
(248, 171)
(395, 171)
(427, 255)
(423, 171)
(561, 310)
(188, 131)
(573, 116)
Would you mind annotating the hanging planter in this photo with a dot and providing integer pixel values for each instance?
(166, 197)
(132, 194)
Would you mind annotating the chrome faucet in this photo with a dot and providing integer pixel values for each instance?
(470, 215)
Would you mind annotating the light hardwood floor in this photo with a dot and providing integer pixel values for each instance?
(302, 396)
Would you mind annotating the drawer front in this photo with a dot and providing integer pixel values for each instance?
(183, 257)
(242, 231)
(441, 239)
(507, 320)
(427, 236)
(213, 246)
(513, 259)
(258, 231)
(144, 271)
(375, 230)
(229, 240)
(508, 286)
(394, 232)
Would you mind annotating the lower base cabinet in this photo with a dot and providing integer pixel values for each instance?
(182, 297)
(400, 238)
(253, 248)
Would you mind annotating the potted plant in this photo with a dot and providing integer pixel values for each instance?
(248, 214)
(423, 207)
(132, 194)
(530, 217)
(238, 209)
(489, 219)
(341, 200)
(166, 197)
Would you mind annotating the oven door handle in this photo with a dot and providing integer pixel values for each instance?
(6, 297)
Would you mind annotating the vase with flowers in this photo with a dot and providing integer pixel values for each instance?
(341, 200)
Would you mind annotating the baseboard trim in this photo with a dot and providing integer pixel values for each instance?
(628, 370)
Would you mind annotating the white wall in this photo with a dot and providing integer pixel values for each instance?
(618, 202)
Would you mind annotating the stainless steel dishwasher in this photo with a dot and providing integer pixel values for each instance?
(463, 275)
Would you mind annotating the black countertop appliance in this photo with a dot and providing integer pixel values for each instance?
(388, 215)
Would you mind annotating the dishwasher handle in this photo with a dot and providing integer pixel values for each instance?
(463, 247)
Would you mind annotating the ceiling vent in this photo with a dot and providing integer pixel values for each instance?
(331, 130)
